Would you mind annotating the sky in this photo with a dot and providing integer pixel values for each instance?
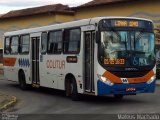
(8, 5)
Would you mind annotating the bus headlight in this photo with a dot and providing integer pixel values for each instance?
(151, 80)
(105, 80)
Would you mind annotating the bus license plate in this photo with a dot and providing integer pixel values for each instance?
(130, 89)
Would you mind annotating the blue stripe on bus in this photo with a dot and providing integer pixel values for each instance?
(104, 89)
(23, 62)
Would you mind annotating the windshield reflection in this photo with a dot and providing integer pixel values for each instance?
(136, 48)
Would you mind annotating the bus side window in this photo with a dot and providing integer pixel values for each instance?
(7, 45)
(24, 44)
(72, 39)
(14, 44)
(55, 42)
(44, 39)
(1, 56)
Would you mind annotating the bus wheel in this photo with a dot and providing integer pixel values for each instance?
(118, 96)
(22, 81)
(71, 89)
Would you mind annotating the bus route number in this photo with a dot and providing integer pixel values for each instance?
(124, 23)
(114, 61)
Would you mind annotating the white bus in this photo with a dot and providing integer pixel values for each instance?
(98, 56)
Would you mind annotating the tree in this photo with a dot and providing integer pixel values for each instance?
(157, 34)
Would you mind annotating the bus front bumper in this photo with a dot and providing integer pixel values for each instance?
(124, 89)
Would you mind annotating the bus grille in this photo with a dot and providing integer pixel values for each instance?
(129, 74)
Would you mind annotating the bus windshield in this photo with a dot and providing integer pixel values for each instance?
(126, 48)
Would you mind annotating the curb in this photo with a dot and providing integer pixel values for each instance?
(12, 102)
(158, 82)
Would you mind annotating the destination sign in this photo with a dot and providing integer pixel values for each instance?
(125, 23)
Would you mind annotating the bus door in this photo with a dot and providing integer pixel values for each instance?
(35, 61)
(89, 61)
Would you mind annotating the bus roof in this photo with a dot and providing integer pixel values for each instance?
(71, 24)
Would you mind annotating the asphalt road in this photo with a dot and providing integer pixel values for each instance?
(48, 101)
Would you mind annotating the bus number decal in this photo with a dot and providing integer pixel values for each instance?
(124, 80)
(59, 64)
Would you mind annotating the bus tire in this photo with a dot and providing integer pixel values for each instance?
(22, 81)
(118, 96)
(71, 89)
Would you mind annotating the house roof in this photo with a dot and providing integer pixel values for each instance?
(60, 9)
(55, 8)
(100, 2)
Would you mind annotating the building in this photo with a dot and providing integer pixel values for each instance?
(34, 17)
(52, 14)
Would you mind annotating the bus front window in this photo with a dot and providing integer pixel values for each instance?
(126, 48)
